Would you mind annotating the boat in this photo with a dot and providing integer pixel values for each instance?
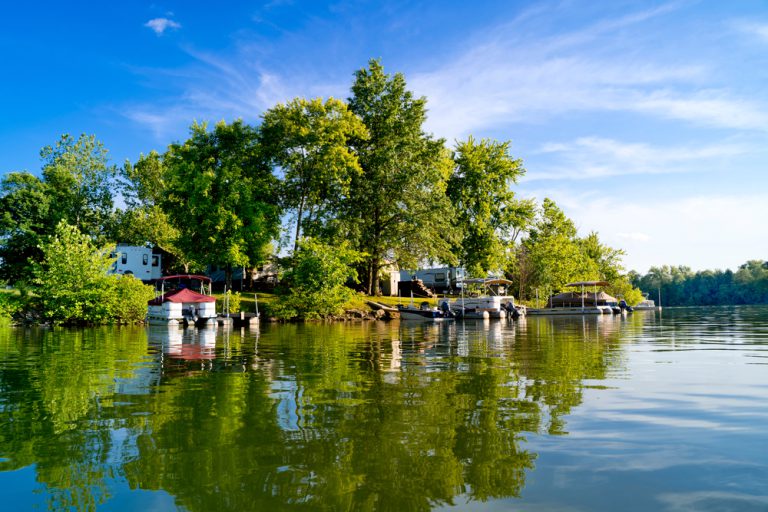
(182, 306)
(425, 312)
(647, 304)
(495, 304)
(582, 303)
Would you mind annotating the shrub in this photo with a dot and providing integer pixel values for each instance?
(130, 299)
(73, 285)
(232, 300)
(318, 281)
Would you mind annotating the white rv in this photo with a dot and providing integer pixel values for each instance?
(138, 261)
(440, 280)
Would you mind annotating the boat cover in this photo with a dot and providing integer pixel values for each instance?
(183, 295)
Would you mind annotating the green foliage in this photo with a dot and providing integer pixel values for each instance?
(318, 281)
(553, 255)
(553, 250)
(25, 210)
(73, 286)
(233, 300)
(129, 299)
(75, 188)
(680, 286)
(10, 304)
(80, 179)
(397, 208)
(488, 215)
(308, 140)
(221, 196)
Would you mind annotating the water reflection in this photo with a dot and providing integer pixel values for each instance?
(371, 416)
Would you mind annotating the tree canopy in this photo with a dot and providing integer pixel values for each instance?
(397, 210)
(220, 196)
(309, 141)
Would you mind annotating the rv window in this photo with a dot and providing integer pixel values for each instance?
(439, 277)
(155, 260)
(124, 258)
(145, 259)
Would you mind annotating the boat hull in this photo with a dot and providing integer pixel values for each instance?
(566, 311)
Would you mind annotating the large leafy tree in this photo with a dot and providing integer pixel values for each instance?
(308, 140)
(25, 207)
(397, 208)
(143, 221)
(488, 215)
(75, 187)
(554, 252)
(80, 180)
(221, 196)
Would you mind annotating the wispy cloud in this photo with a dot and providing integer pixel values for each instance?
(515, 75)
(596, 157)
(160, 25)
(218, 87)
(759, 30)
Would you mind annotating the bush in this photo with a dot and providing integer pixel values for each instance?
(318, 281)
(233, 300)
(73, 285)
(130, 299)
(10, 305)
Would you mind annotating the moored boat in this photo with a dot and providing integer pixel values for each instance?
(425, 312)
(647, 304)
(492, 305)
(182, 306)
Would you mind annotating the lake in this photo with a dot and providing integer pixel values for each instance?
(652, 411)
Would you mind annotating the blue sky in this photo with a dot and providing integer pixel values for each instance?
(645, 121)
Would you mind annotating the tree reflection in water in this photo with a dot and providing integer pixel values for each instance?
(373, 416)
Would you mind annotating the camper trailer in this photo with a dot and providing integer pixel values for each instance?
(138, 261)
(440, 280)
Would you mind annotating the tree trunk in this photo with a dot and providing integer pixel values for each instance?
(228, 276)
(298, 226)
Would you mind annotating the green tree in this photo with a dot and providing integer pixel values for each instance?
(25, 207)
(554, 252)
(143, 186)
(397, 208)
(73, 285)
(318, 280)
(221, 196)
(308, 140)
(607, 259)
(76, 187)
(80, 180)
(487, 213)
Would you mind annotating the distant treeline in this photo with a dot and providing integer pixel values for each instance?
(680, 286)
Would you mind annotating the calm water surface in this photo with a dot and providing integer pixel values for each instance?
(648, 412)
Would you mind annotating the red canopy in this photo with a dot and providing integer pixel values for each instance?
(181, 295)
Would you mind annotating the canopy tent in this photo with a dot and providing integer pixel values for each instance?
(182, 295)
(493, 285)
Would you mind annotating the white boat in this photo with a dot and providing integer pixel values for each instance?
(424, 313)
(647, 304)
(574, 303)
(182, 306)
(493, 305)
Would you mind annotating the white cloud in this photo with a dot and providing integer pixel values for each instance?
(596, 157)
(513, 75)
(703, 231)
(634, 236)
(760, 30)
(160, 25)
